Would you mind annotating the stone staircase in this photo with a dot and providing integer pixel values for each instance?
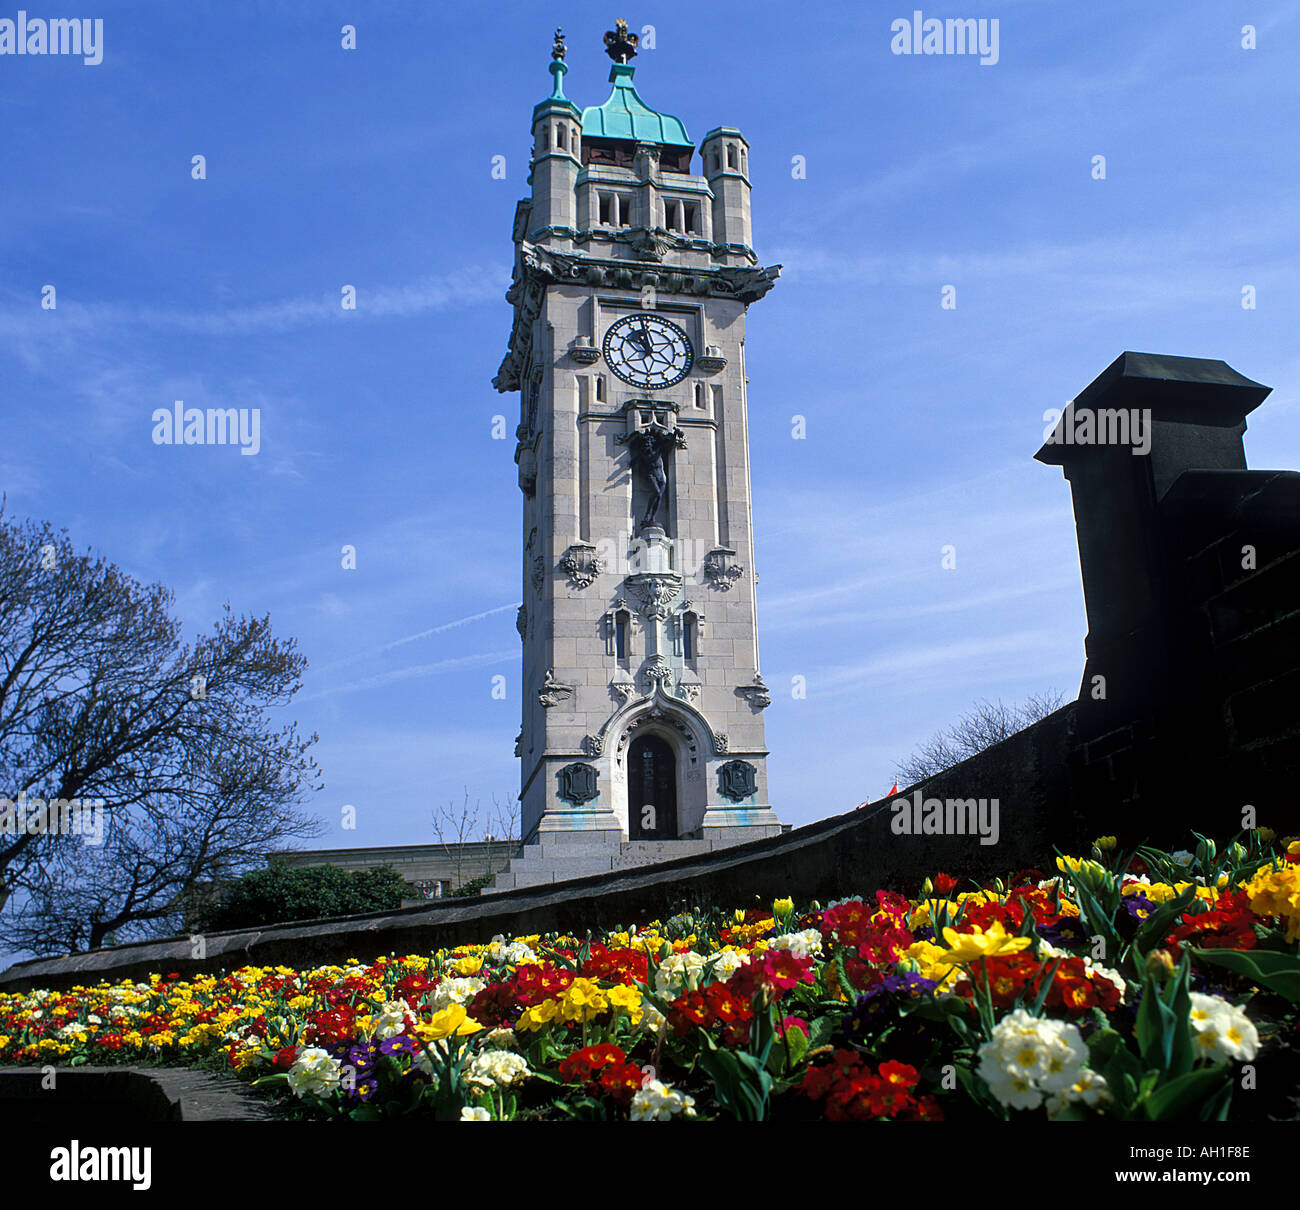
(560, 860)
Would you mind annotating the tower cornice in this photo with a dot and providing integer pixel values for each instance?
(538, 267)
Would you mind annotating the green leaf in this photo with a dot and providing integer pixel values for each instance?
(1276, 972)
(1156, 926)
(1183, 1098)
(798, 1043)
(1164, 1031)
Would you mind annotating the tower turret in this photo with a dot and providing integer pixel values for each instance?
(726, 167)
(557, 145)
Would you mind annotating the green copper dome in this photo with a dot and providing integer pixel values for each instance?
(626, 116)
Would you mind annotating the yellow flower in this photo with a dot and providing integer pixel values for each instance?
(628, 999)
(924, 956)
(781, 908)
(1273, 892)
(467, 966)
(451, 1020)
(538, 1016)
(583, 1000)
(970, 947)
(1105, 843)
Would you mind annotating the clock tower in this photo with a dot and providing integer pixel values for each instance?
(643, 704)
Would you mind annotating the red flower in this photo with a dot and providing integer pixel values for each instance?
(1230, 925)
(853, 1092)
(330, 1028)
(898, 1074)
(622, 1081)
(497, 1005)
(412, 988)
(886, 945)
(581, 1066)
(924, 1109)
(775, 972)
(284, 1059)
(944, 884)
(626, 966)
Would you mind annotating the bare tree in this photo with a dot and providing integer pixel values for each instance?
(988, 723)
(454, 828)
(505, 829)
(100, 703)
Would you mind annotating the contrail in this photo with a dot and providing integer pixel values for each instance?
(411, 638)
(424, 634)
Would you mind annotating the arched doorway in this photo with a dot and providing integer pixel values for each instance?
(651, 789)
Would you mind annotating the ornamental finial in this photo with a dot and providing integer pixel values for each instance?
(619, 44)
(557, 51)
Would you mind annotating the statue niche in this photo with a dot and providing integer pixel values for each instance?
(650, 447)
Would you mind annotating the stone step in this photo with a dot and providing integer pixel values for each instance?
(571, 867)
(648, 852)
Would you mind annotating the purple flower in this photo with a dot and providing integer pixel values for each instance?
(1138, 906)
(910, 984)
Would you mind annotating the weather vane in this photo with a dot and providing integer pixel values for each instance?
(619, 44)
(557, 51)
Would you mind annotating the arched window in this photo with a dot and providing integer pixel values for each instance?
(690, 637)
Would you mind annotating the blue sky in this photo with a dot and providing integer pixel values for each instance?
(372, 168)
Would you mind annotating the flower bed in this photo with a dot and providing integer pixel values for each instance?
(1141, 986)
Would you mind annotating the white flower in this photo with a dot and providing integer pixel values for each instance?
(806, 944)
(500, 1039)
(516, 953)
(74, 1030)
(657, 1102)
(468, 1114)
(1183, 857)
(390, 1020)
(1221, 1032)
(726, 964)
(679, 973)
(651, 1017)
(92, 1019)
(314, 1073)
(497, 1069)
(1090, 1089)
(1029, 1056)
(456, 991)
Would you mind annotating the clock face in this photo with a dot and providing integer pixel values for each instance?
(648, 351)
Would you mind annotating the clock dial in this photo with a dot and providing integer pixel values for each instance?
(648, 351)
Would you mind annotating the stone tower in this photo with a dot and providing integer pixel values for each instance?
(642, 699)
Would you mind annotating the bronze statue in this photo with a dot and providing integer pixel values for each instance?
(648, 446)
